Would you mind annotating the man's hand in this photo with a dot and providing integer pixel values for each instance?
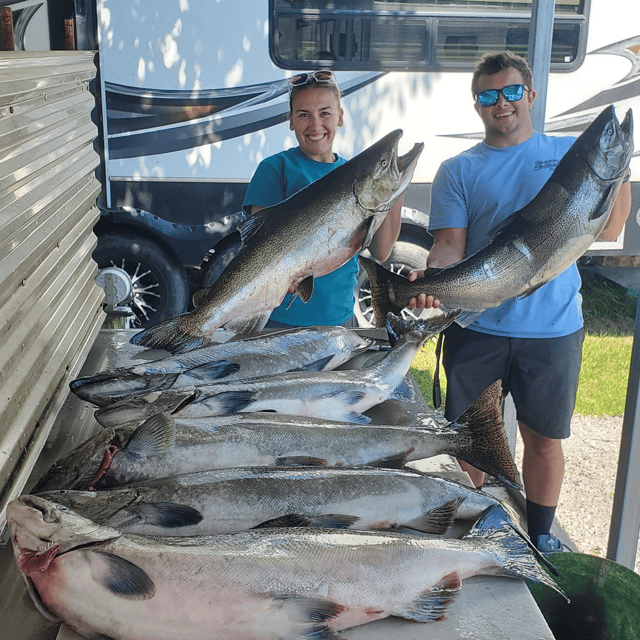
(423, 301)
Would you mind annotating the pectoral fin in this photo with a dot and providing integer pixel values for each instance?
(121, 577)
(433, 603)
(154, 437)
(303, 290)
(437, 521)
(162, 514)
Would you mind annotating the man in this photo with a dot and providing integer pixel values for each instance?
(533, 344)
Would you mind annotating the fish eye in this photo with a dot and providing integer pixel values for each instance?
(384, 162)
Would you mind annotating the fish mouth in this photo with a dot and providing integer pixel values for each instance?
(627, 130)
(408, 161)
(39, 504)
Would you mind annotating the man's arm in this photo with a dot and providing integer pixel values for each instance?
(448, 248)
(619, 214)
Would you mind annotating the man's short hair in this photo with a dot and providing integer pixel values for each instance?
(492, 63)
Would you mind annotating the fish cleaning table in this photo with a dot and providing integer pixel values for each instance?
(487, 608)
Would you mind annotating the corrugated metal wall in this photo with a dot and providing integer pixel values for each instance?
(50, 309)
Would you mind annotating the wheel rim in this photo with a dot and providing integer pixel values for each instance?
(145, 298)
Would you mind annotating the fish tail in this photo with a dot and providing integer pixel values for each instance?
(513, 553)
(483, 441)
(381, 282)
(170, 335)
(397, 327)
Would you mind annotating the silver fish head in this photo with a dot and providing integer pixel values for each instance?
(381, 175)
(609, 144)
(140, 408)
(79, 466)
(95, 505)
(38, 526)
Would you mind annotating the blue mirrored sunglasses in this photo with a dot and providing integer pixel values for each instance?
(511, 93)
(321, 77)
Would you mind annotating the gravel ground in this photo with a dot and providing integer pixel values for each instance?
(586, 500)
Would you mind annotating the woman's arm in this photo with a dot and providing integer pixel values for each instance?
(386, 236)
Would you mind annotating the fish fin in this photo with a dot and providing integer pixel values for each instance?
(310, 615)
(325, 521)
(250, 226)
(169, 335)
(528, 292)
(465, 318)
(303, 290)
(121, 577)
(433, 603)
(249, 324)
(287, 521)
(154, 437)
(437, 521)
(395, 461)
(514, 554)
(214, 370)
(381, 282)
(234, 401)
(301, 461)
(357, 418)
(162, 514)
(332, 521)
(511, 519)
(403, 392)
(398, 327)
(484, 441)
(318, 365)
(348, 397)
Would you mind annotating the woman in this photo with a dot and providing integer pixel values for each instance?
(314, 116)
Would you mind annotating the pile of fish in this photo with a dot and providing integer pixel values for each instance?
(249, 490)
(265, 525)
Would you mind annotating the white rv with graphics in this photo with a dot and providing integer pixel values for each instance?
(192, 94)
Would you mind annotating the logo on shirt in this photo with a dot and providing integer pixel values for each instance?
(545, 164)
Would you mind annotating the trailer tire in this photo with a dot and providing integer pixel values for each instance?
(160, 285)
(405, 257)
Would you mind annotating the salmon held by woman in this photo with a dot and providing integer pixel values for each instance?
(310, 234)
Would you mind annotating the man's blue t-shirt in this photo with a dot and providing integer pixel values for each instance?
(277, 178)
(477, 190)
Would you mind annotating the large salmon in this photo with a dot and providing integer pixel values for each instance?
(242, 498)
(534, 244)
(299, 349)
(286, 584)
(310, 234)
(163, 447)
(335, 395)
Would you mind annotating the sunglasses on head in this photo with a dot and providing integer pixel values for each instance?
(511, 93)
(321, 77)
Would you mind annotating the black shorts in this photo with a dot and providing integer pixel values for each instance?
(540, 373)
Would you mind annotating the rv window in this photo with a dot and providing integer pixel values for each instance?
(437, 35)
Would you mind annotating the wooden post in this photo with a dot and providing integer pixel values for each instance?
(69, 35)
(7, 42)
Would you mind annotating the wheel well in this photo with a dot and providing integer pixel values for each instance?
(415, 234)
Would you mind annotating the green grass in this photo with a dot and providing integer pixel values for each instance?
(609, 314)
